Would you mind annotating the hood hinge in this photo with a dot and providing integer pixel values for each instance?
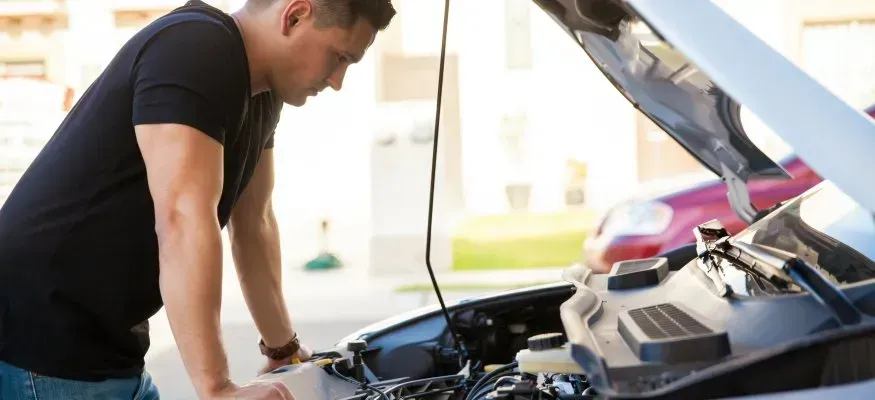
(739, 195)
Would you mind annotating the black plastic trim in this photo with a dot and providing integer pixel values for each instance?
(633, 274)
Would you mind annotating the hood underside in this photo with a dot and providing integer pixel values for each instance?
(687, 65)
(666, 87)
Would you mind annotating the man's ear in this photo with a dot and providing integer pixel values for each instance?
(295, 12)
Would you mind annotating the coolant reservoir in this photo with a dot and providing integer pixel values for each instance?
(308, 381)
(547, 353)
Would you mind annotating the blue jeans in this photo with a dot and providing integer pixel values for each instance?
(19, 384)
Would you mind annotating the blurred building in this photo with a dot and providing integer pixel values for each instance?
(29, 112)
(522, 103)
(528, 123)
(50, 51)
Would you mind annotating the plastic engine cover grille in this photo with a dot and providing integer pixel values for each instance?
(667, 321)
(668, 334)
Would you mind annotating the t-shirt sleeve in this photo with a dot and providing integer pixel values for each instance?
(190, 73)
(269, 144)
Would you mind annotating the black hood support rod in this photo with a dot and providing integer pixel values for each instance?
(460, 347)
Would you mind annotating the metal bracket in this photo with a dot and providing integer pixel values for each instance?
(707, 236)
(739, 195)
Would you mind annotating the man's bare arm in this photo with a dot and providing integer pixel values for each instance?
(256, 250)
(184, 170)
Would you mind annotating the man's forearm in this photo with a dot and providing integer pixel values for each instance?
(190, 256)
(256, 250)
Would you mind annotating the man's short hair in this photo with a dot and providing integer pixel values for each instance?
(345, 13)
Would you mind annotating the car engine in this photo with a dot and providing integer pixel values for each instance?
(515, 350)
(656, 328)
(331, 376)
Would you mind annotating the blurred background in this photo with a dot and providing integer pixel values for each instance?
(541, 162)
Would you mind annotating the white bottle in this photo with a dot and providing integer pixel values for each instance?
(548, 353)
(308, 381)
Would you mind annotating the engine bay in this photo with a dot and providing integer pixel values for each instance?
(418, 359)
(654, 328)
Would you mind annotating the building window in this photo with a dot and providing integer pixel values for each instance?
(512, 136)
(23, 69)
(518, 34)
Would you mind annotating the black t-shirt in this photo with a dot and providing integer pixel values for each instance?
(78, 249)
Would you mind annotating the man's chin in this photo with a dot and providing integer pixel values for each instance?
(295, 101)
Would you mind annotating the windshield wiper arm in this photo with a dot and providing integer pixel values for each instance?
(781, 268)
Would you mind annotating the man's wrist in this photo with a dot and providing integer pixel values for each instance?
(283, 352)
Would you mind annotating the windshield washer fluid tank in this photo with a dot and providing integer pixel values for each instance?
(309, 381)
(556, 360)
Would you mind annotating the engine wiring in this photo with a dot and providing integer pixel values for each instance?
(504, 382)
(507, 382)
(494, 374)
(373, 392)
(364, 385)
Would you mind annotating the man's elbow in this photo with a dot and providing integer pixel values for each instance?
(177, 220)
(247, 221)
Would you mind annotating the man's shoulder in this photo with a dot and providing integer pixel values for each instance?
(189, 67)
(197, 10)
(194, 15)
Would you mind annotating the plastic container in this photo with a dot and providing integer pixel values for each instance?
(308, 381)
(557, 360)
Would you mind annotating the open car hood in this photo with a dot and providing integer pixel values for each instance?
(664, 85)
(688, 67)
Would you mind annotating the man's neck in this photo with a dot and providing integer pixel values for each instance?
(247, 24)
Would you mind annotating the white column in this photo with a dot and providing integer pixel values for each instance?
(400, 175)
(91, 40)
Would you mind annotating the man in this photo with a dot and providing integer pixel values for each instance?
(122, 211)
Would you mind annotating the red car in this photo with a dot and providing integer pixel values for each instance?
(646, 228)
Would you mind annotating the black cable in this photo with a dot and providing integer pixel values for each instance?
(363, 396)
(431, 392)
(501, 379)
(353, 381)
(437, 123)
(423, 381)
(485, 387)
(486, 378)
(481, 393)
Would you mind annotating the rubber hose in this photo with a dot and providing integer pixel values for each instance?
(489, 376)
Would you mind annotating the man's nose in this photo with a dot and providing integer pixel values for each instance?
(336, 78)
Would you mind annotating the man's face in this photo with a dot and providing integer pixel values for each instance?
(308, 58)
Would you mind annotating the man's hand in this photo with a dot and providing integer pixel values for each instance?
(184, 169)
(303, 354)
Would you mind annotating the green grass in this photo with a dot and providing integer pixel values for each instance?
(520, 241)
